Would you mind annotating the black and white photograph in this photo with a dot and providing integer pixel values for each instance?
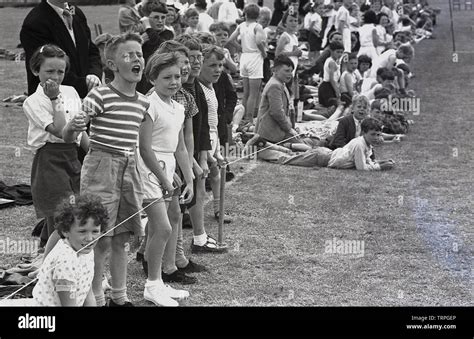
(234, 158)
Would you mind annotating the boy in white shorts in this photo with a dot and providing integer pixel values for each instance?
(252, 40)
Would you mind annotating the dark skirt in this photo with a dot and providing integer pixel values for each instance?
(55, 175)
(314, 42)
(325, 92)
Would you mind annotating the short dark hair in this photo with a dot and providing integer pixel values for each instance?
(380, 16)
(333, 34)
(45, 52)
(112, 45)
(154, 6)
(365, 59)
(219, 26)
(208, 50)
(172, 46)
(281, 60)
(370, 17)
(80, 208)
(386, 74)
(158, 62)
(205, 37)
(370, 124)
(202, 4)
(288, 13)
(352, 56)
(252, 11)
(335, 45)
(190, 12)
(189, 41)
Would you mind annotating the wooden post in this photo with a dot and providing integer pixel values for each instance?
(220, 235)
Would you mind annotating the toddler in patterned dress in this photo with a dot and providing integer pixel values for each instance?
(65, 277)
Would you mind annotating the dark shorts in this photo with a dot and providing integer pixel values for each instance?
(325, 92)
(314, 42)
(55, 175)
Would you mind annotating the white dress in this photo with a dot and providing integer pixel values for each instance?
(366, 41)
(64, 270)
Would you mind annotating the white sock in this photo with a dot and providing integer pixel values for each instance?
(200, 240)
(157, 282)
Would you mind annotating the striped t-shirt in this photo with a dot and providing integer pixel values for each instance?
(115, 117)
(212, 105)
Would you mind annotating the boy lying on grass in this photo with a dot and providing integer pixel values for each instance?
(356, 154)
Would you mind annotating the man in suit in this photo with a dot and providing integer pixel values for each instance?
(55, 22)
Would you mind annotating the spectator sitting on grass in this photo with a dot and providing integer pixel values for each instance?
(385, 79)
(356, 154)
(65, 277)
(349, 127)
(349, 80)
(273, 121)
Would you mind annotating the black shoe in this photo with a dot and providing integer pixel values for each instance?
(178, 277)
(208, 247)
(145, 267)
(229, 176)
(187, 221)
(140, 257)
(192, 267)
(113, 304)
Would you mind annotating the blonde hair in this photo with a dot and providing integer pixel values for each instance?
(361, 98)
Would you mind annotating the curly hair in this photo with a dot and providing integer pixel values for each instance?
(80, 208)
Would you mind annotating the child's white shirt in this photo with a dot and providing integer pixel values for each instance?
(190, 30)
(316, 22)
(64, 270)
(205, 21)
(39, 111)
(167, 123)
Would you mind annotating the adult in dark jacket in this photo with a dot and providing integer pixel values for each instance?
(227, 99)
(45, 24)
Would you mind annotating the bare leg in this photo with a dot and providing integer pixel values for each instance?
(197, 211)
(169, 257)
(100, 253)
(159, 231)
(246, 94)
(254, 88)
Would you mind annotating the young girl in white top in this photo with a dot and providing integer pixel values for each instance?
(55, 173)
(287, 45)
(368, 36)
(384, 38)
(161, 145)
(65, 277)
(330, 86)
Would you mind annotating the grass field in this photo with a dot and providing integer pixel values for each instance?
(415, 221)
